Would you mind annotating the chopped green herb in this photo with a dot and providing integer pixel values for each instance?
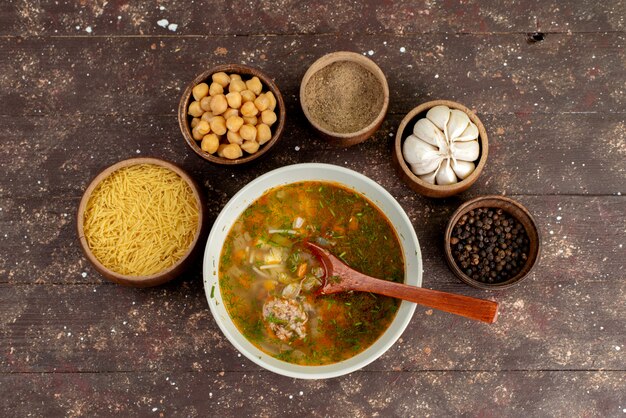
(261, 265)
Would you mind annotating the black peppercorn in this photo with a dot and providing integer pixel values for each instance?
(490, 245)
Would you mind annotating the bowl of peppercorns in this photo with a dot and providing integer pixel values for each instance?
(492, 242)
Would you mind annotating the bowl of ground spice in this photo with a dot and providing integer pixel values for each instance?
(345, 96)
(492, 242)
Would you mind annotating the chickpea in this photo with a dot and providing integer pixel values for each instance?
(233, 123)
(207, 116)
(221, 78)
(220, 150)
(234, 99)
(272, 98)
(196, 135)
(236, 86)
(234, 137)
(232, 151)
(250, 120)
(215, 89)
(249, 109)
(194, 122)
(262, 103)
(268, 117)
(250, 147)
(210, 143)
(230, 112)
(247, 96)
(235, 77)
(200, 91)
(218, 125)
(248, 132)
(219, 104)
(195, 110)
(203, 127)
(255, 85)
(205, 103)
(264, 133)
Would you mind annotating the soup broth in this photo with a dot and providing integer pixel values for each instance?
(268, 281)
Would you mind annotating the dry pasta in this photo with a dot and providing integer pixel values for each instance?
(141, 220)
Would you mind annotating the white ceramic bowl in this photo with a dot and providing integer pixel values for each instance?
(292, 174)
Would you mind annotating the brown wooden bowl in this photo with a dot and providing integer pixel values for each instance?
(167, 274)
(419, 185)
(515, 209)
(184, 120)
(351, 138)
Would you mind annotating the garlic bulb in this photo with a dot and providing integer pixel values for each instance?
(443, 147)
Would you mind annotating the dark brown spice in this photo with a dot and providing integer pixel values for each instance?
(489, 245)
(343, 97)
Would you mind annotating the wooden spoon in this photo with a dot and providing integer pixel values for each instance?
(338, 277)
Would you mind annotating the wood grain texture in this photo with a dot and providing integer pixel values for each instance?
(567, 315)
(579, 154)
(238, 17)
(41, 244)
(84, 85)
(362, 394)
(488, 73)
(549, 325)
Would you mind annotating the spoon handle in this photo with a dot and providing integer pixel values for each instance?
(478, 309)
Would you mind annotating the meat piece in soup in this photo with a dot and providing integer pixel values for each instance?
(268, 280)
(286, 318)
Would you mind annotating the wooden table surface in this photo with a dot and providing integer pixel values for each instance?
(86, 84)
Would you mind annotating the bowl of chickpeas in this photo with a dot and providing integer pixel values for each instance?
(231, 114)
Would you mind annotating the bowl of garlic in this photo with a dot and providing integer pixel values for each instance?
(440, 148)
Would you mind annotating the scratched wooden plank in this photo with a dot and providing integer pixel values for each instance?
(74, 100)
(361, 394)
(39, 238)
(287, 17)
(552, 323)
(568, 315)
(142, 75)
(529, 154)
(39, 235)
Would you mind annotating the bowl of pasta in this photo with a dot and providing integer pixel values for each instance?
(140, 220)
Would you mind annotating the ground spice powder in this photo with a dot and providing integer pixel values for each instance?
(343, 97)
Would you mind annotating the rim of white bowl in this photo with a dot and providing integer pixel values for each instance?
(292, 174)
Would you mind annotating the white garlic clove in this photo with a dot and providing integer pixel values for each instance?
(463, 168)
(414, 150)
(445, 175)
(456, 124)
(426, 166)
(429, 178)
(465, 151)
(439, 115)
(428, 132)
(470, 133)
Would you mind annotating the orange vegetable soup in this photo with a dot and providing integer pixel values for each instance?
(268, 280)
